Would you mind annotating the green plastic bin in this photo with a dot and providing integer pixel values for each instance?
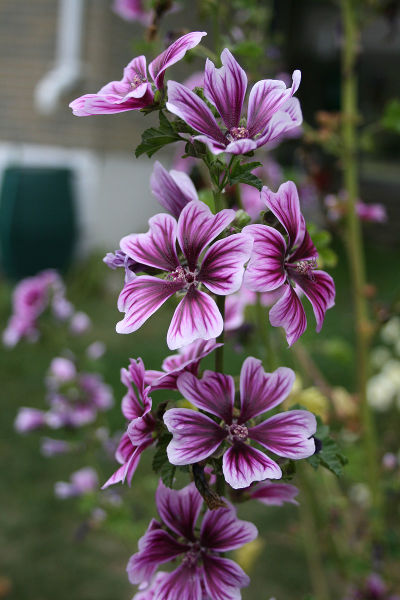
(38, 226)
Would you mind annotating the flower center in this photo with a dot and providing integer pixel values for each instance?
(184, 276)
(237, 433)
(137, 80)
(237, 133)
(306, 267)
(192, 556)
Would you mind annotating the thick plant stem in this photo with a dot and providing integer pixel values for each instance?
(311, 539)
(219, 352)
(356, 254)
(262, 326)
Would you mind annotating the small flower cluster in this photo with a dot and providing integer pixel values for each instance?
(74, 398)
(202, 254)
(31, 297)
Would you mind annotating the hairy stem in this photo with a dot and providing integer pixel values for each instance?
(219, 352)
(355, 253)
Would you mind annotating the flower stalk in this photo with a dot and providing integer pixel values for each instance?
(355, 252)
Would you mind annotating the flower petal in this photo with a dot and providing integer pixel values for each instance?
(95, 104)
(195, 436)
(183, 583)
(287, 434)
(140, 298)
(242, 146)
(173, 190)
(135, 404)
(124, 88)
(225, 88)
(155, 248)
(214, 147)
(188, 106)
(222, 267)
(196, 316)
(243, 464)
(223, 578)
(179, 509)
(285, 205)
(266, 98)
(289, 313)
(174, 53)
(198, 227)
(274, 494)
(261, 391)
(222, 531)
(156, 547)
(287, 119)
(265, 270)
(140, 430)
(320, 290)
(214, 393)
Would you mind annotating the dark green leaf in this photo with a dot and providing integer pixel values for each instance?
(154, 139)
(329, 456)
(391, 116)
(160, 456)
(167, 474)
(242, 173)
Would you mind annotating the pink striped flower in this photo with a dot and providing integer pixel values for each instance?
(136, 407)
(134, 91)
(288, 265)
(173, 189)
(196, 436)
(202, 572)
(220, 271)
(271, 111)
(188, 359)
(133, 10)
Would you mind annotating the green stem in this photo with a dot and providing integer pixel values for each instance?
(264, 333)
(311, 538)
(219, 353)
(355, 253)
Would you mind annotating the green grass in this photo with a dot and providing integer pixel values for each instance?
(40, 553)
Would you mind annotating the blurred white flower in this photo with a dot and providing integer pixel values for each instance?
(379, 356)
(380, 392)
(360, 494)
(390, 332)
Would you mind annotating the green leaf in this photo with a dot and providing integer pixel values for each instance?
(329, 456)
(242, 173)
(391, 116)
(207, 197)
(167, 474)
(154, 139)
(160, 456)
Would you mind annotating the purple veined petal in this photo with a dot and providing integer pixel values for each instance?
(319, 288)
(93, 104)
(179, 509)
(196, 316)
(132, 10)
(222, 268)
(148, 592)
(242, 464)
(174, 53)
(126, 471)
(135, 403)
(265, 271)
(286, 121)
(214, 147)
(183, 583)
(241, 146)
(287, 434)
(225, 88)
(223, 578)
(185, 104)
(124, 449)
(140, 298)
(156, 548)
(288, 118)
(261, 391)
(222, 531)
(198, 227)
(140, 430)
(214, 393)
(285, 205)
(266, 98)
(195, 436)
(274, 494)
(306, 249)
(134, 81)
(289, 313)
(173, 190)
(157, 247)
